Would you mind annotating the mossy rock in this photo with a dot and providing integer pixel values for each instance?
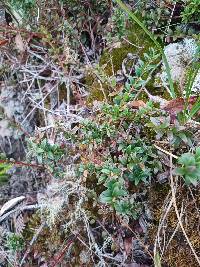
(138, 43)
(111, 60)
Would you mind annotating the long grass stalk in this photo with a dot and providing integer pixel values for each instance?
(193, 72)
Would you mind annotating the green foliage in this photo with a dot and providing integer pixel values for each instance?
(154, 15)
(3, 172)
(139, 79)
(195, 109)
(113, 192)
(116, 111)
(79, 6)
(175, 133)
(46, 154)
(191, 11)
(157, 15)
(143, 72)
(23, 8)
(118, 20)
(128, 207)
(116, 196)
(4, 168)
(111, 152)
(15, 242)
(125, 158)
(111, 144)
(85, 16)
(93, 132)
(103, 77)
(138, 160)
(157, 260)
(190, 167)
(190, 112)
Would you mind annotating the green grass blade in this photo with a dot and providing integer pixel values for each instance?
(195, 108)
(151, 36)
(190, 79)
(157, 260)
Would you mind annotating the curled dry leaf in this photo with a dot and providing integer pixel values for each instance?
(85, 173)
(128, 245)
(136, 104)
(3, 42)
(174, 106)
(10, 204)
(19, 43)
(178, 104)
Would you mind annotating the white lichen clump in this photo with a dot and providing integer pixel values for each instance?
(179, 56)
(196, 84)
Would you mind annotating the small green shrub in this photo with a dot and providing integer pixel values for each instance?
(93, 132)
(175, 133)
(157, 15)
(190, 167)
(47, 154)
(117, 197)
(144, 69)
(113, 192)
(112, 153)
(138, 160)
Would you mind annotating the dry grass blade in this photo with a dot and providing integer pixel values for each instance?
(166, 152)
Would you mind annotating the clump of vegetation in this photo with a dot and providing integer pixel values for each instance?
(46, 154)
(117, 172)
(190, 167)
(169, 19)
(191, 11)
(22, 9)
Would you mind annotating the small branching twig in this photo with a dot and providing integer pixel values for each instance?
(63, 251)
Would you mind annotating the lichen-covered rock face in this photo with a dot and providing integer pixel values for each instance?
(179, 56)
(13, 111)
